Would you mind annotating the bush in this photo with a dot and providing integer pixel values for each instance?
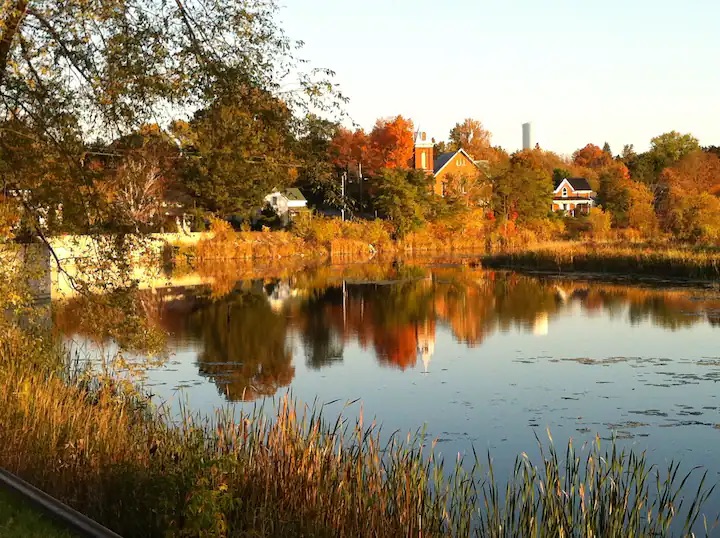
(599, 223)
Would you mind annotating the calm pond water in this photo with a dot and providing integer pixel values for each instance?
(480, 358)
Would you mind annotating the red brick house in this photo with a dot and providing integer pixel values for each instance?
(574, 196)
(444, 165)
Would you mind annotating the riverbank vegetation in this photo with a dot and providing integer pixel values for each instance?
(652, 260)
(102, 448)
(17, 519)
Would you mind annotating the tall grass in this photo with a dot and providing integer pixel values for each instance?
(98, 446)
(677, 262)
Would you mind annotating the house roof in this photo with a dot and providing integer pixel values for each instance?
(294, 195)
(441, 160)
(444, 158)
(577, 183)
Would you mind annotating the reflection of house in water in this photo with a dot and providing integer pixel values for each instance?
(425, 335)
(280, 293)
(540, 325)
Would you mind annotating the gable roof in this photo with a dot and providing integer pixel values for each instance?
(575, 183)
(443, 159)
(294, 195)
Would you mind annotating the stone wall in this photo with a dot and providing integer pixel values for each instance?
(88, 261)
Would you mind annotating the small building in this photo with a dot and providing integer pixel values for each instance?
(574, 196)
(288, 203)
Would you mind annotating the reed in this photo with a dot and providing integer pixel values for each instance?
(99, 446)
(647, 260)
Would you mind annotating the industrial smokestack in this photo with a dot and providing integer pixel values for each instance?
(527, 136)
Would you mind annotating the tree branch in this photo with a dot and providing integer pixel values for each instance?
(11, 27)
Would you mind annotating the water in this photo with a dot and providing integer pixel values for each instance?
(483, 359)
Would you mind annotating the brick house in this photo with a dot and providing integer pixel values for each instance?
(443, 166)
(574, 196)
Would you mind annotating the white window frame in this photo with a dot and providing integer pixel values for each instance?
(564, 192)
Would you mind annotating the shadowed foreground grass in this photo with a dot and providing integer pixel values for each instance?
(681, 262)
(99, 448)
(17, 519)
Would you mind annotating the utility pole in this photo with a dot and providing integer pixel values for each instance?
(361, 185)
(342, 194)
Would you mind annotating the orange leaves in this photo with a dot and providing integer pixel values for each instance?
(389, 145)
(472, 136)
(350, 148)
(695, 173)
(591, 156)
(392, 142)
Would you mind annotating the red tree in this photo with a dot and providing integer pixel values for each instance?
(592, 156)
(392, 142)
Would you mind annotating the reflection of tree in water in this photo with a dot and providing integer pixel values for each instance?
(245, 349)
(323, 340)
(519, 300)
(129, 318)
(662, 313)
(400, 312)
(244, 335)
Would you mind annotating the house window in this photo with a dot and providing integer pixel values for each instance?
(423, 160)
(564, 192)
(459, 162)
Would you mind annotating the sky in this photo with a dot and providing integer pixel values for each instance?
(620, 71)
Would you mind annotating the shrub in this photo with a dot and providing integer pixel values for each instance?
(599, 223)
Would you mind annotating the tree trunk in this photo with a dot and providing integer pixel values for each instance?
(11, 26)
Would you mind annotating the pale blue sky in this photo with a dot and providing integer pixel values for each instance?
(620, 71)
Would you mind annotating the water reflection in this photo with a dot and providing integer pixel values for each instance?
(245, 339)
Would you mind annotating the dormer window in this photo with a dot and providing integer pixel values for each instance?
(564, 192)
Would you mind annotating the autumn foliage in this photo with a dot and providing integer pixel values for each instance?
(392, 142)
(591, 156)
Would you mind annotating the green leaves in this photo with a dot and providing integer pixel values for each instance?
(520, 192)
(242, 151)
(404, 197)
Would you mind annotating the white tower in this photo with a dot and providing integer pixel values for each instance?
(527, 136)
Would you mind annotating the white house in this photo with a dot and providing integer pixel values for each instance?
(287, 203)
(574, 196)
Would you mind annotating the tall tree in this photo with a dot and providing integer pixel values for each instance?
(614, 192)
(241, 151)
(670, 147)
(641, 209)
(520, 191)
(404, 198)
(318, 176)
(689, 204)
(75, 70)
(591, 156)
(392, 141)
(471, 136)
(350, 149)
(606, 149)
(696, 172)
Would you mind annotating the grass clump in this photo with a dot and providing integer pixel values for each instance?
(17, 519)
(681, 262)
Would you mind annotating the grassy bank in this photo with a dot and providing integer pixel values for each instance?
(17, 519)
(98, 447)
(658, 261)
(321, 238)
